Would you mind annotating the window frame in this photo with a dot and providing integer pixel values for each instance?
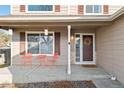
(40, 32)
(40, 11)
(85, 13)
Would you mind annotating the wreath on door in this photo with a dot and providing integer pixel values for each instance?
(87, 41)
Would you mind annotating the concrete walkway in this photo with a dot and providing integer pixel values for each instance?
(27, 74)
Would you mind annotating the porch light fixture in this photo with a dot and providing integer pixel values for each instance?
(10, 31)
(46, 32)
(72, 37)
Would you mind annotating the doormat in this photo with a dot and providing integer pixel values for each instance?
(58, 84)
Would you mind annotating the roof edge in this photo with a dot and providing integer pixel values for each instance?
(61, 18)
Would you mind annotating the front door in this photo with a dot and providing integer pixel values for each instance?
(85, 48)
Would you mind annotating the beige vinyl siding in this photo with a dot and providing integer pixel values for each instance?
(17, 58)
(16, 11)
(15, 43)
(114, 8)
(63, 10)
(110, 48)
(73, 10)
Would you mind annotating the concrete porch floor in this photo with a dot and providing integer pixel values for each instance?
(26, 74)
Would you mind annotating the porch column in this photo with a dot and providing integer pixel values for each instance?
(11, 33)
(69, 54)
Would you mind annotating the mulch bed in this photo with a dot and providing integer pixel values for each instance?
(58, 84)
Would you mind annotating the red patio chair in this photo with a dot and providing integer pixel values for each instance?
(42, 60)
(54, 59)
(27, 59)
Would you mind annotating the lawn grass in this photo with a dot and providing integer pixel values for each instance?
(4, 65)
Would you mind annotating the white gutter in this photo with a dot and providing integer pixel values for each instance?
(117, 14)
(60, 18)
(52, 19)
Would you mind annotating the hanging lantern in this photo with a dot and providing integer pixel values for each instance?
(10, 31)
(46, 31)
(72, 37)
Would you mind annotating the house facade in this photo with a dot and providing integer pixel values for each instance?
(79, 34)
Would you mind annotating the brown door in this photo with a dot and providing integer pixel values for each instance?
(87, 48)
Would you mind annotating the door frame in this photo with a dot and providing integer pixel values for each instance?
(81, 49)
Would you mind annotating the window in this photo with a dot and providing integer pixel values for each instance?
(89, 9)
(78, 48)
(93, 9)
(46, 44)
(38, 8)
(33, 43)
(40, 43)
